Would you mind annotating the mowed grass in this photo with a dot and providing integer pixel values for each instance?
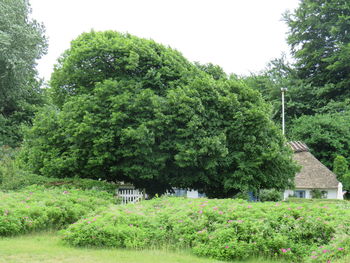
(47, 248)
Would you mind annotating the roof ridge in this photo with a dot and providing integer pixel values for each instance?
(298, 146)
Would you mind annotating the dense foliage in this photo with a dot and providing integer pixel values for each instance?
(326, 134)
(340, 166)
(133, 110)
(223, 229)
(37, 208)
(22, 42)
(138, 63)
(318, 80)
(320, 43)
(14, 177)
(270, 195)
(341, 169)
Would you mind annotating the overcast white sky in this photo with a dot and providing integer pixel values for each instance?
(241, 36)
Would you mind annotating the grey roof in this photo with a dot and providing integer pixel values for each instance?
(313, 174)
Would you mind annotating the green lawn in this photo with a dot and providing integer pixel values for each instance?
(47, 248)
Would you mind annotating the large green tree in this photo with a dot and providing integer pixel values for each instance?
(22, 42)
(326, 134)
(133, 110)
(320, 41)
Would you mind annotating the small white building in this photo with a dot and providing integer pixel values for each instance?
(313, 176)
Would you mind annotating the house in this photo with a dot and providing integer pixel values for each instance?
(312, 176)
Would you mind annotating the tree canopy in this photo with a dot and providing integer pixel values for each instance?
(132, 110)
(320, 41)
(95, 57)
(22, 42)
(317, 102)
(327, 135)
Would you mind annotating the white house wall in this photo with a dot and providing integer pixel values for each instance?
(331, 193)
(192, 194)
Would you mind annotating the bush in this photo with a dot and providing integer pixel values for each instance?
(340, 167)
(84, 184)
(270, 195)
(37, 208)
(14, 177)
(242, 195)
(316, 193)
(297, 200)
(223, 229)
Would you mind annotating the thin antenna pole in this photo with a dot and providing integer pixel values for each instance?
(283, 123)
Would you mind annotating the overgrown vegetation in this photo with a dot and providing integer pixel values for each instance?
(129, 109)
(14, 177)
(270, 195)
(223, 229)
(38, 208)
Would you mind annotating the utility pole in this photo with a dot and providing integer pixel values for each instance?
(283, 90)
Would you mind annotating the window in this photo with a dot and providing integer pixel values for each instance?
(299, 194)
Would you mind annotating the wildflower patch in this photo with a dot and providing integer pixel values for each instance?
(225, 229)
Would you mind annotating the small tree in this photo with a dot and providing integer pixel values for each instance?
(346, 181)
(340, 167)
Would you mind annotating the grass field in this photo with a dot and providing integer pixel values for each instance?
(47, 248)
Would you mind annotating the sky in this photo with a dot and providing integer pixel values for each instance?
(241, 36)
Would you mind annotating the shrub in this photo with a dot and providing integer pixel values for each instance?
(242, 195)
(225, 229)
(270, 195)
(37, 208)
(84, 184)
(340, 167)
(14, 177)
(316, 193)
